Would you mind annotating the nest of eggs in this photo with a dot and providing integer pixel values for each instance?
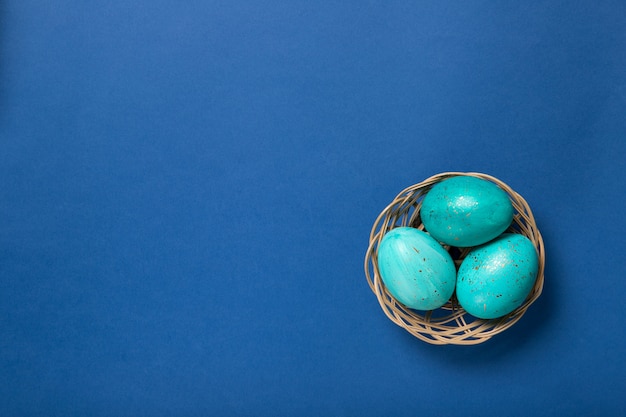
(450, 324)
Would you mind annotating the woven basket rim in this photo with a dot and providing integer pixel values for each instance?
(450, 324)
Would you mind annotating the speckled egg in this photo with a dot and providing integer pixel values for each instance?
(416, 269)
(466, 211)
(495, 278)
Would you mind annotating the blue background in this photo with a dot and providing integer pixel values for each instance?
(187, 190)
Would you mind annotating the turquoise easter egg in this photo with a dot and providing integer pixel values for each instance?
(416, 269)
(466, 211)
(495, 278)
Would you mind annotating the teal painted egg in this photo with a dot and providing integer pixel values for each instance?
(495, 278)
(466, 211)
(416, 269)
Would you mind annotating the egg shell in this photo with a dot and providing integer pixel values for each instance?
(494, 279)
(416, 269)
(466, 211)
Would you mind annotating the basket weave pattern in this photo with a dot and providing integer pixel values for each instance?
(449, 324)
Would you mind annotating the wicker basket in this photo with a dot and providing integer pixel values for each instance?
(449, 324)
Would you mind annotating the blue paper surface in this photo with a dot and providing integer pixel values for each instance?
(187, 190)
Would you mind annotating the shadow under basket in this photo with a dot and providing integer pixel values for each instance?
(449, 324)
